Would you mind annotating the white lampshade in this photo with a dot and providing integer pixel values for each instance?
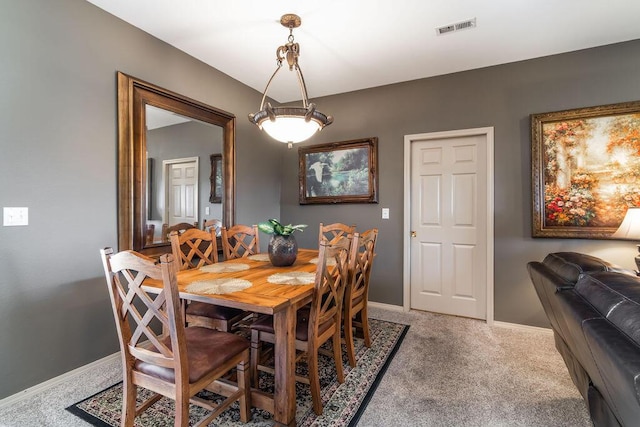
(290, 129)
(630, 227)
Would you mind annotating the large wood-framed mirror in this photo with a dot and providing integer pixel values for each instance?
(147, 153)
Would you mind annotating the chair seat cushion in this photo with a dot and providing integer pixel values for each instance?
(207, 349)
(212, 311)
(265, 324)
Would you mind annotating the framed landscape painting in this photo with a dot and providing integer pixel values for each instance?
(339, 172)
(585, 170)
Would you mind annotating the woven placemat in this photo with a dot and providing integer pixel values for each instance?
(224, 267)
(330, 261)
(259, 257)
(218, 286)
(292, 278)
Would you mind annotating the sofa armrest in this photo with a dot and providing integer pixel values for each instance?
(547, 283)
(617, 360)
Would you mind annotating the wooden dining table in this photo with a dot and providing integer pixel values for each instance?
(254, 284)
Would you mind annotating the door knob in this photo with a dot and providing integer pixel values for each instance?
(413, 234)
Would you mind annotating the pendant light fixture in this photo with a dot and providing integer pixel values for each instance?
(290, 124)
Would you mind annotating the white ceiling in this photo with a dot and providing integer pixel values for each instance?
(347, 45)
(157, 118)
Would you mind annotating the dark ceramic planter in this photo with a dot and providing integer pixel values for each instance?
(283, 250)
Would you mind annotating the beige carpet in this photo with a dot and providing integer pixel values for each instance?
(460, 372)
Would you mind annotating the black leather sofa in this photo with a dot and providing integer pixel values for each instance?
(594, 310)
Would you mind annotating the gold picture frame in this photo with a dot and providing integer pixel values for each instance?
(585, 167)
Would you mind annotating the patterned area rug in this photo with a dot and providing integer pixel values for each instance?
(343, 403)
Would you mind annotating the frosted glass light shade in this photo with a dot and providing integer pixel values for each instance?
(290, 129)
(290, 124)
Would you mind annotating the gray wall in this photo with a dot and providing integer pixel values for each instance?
(58, 134)
(503, 97)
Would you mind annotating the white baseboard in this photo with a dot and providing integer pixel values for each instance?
(385, 306)
(38, 388)
(521, 327)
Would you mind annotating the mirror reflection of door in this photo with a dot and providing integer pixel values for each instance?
(169, 137)
(181, 182)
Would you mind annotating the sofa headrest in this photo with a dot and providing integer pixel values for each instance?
(616, 296)
(542, 277)
(570, 265)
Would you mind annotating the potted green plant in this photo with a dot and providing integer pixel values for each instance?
(283, 248)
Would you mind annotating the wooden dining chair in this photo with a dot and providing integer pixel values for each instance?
(357, 292)
(240, 241)
(315, 324)
(180, 228)
(334, 231)
(194, 249)
(149, 232)
(162, 355)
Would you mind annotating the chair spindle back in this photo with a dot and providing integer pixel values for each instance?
(331, 232)
(240, 241)
(136, 311)
(332, 275)
(194, 248)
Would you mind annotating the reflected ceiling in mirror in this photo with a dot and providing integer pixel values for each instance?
(158, 118)
(145, 153)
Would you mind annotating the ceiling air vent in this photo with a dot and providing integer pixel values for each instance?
(447, 29)
(464, 25)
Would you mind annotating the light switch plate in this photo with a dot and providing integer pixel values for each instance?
(15, 216)
(206, 210)
(385, 213)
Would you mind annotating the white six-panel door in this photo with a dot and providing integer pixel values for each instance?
(182, 190)
(448, 243)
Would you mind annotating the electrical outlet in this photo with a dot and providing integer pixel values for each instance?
(15, 216)
(385, 213)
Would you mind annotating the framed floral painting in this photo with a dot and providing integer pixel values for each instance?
(585, 170)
